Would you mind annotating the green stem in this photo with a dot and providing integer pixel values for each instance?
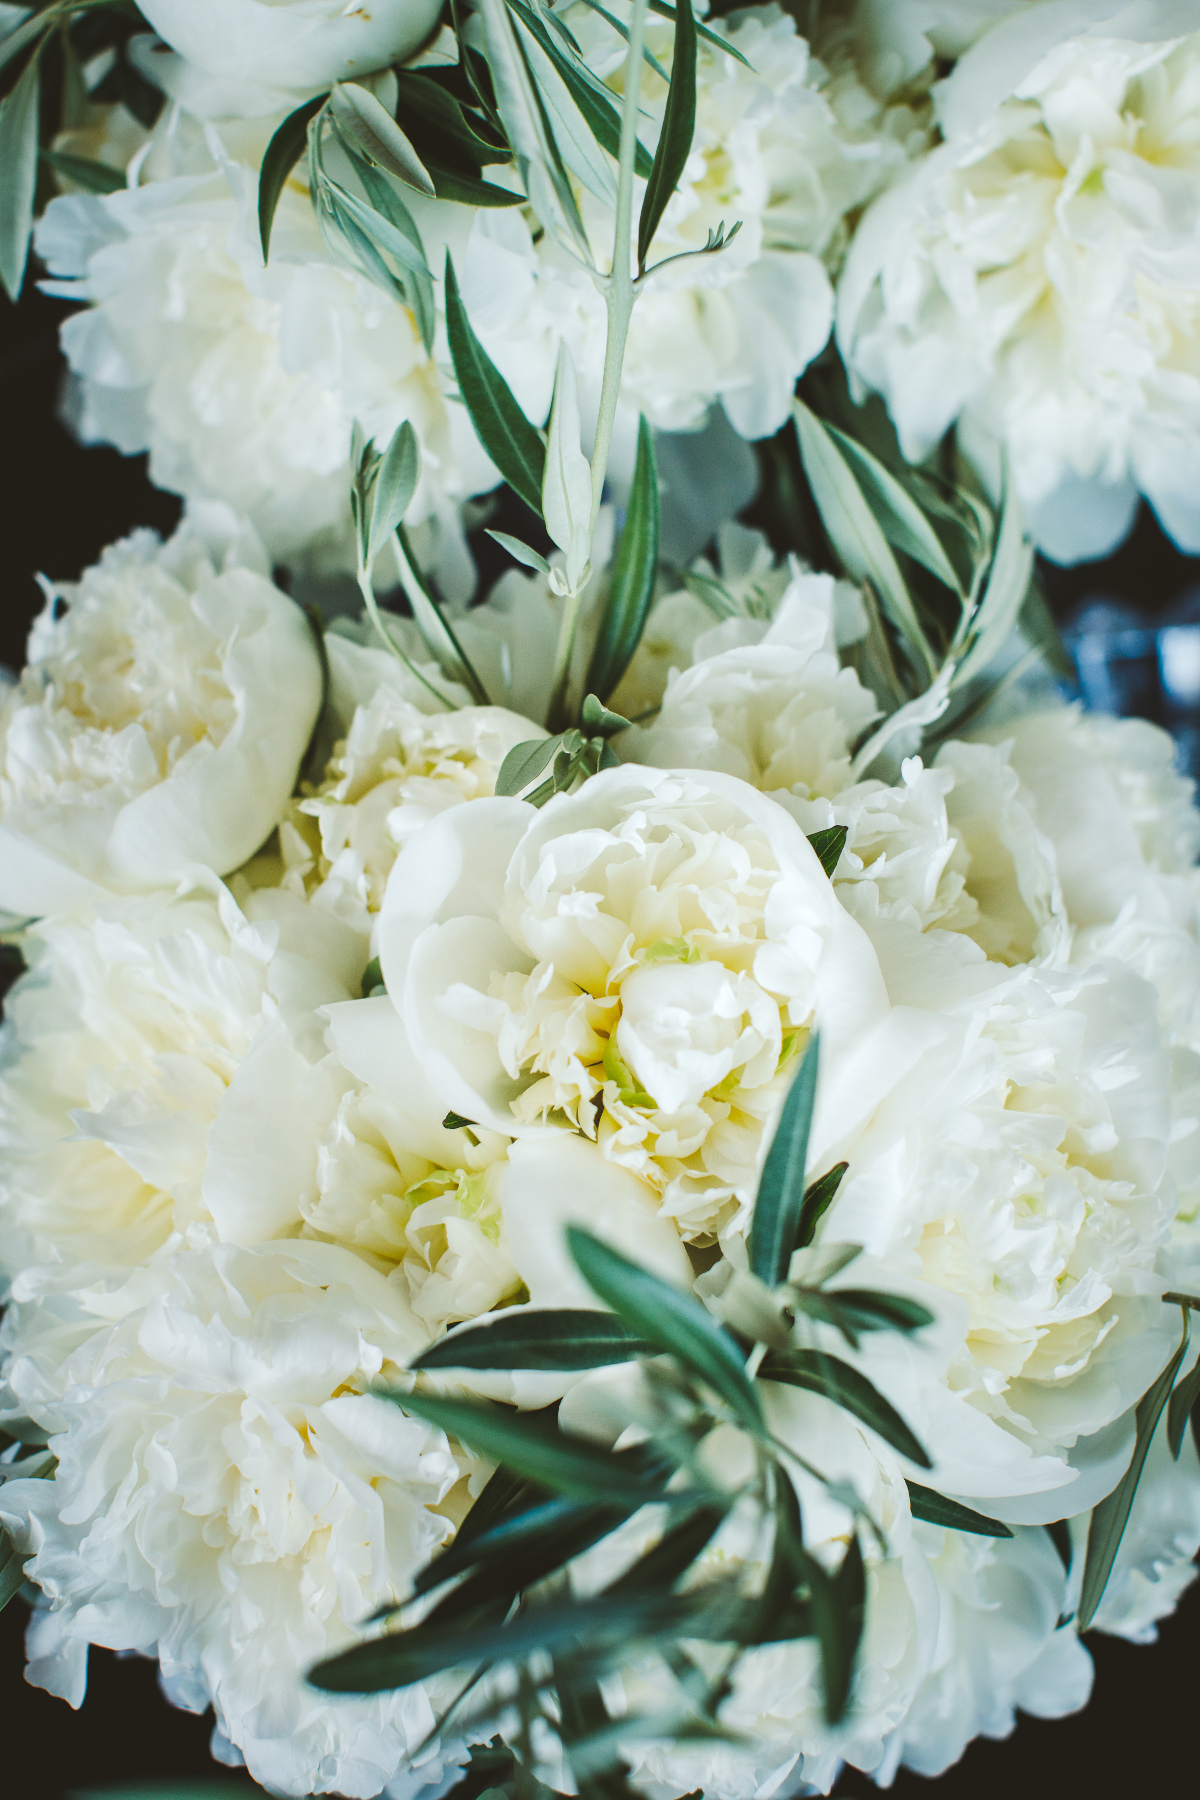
(376, 618)
(618, 299)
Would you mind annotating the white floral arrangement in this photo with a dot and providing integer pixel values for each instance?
(601, 1168)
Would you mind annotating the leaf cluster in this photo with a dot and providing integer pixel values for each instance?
(501, 1604)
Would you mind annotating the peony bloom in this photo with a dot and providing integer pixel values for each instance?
(231, 1498)
(244, 382)
(159, 724)
(284, 48)
(396, 768)
(1037, 279)
(640, 962)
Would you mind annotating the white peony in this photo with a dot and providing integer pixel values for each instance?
(244, 382)
(159, 724)
(396, 769)
(120, 1047)
(1037, 278)
(639, 961)
(286, 47)
(231, 1498)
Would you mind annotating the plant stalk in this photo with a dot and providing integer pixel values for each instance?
(376, 618)
(618, 299)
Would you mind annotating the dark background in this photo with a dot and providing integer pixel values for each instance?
(61, 505)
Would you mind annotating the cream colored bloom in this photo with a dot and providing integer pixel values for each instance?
(231, 1498)
(640, 962)
(159, 724)
(285, 47)
(395, 769)
(1037, 278)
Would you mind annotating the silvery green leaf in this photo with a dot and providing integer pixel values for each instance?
(599, 719)
(710, 37)
(1007, 585)
(855, 534)
(527, 1444)
(527, 128)
(437, 633)
(532, 1542)
(282, 154)
(672, 1320)
(524, 763)
(623, 31)
(1110, 1518)
(818, 1198)
(778, 1205)
(377, 134)
(567, 480)
(381, 230)
(631, 583)
(18, 164)
(587, 92)
(23, 33)
(711, 593)
(676, 134)
(904, 524)
(838, 1602)
(514, 445)
(847, 1387)
(395, 484)
(577, 144)
(522, 553)
(12, 1570)
(925, 1503)
(538, 1338)
(93, 177)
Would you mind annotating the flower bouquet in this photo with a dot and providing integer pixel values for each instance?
(600, 1155)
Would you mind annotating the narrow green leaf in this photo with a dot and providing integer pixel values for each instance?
(668, 12)
(1185, 1397)
(441, 125)
(520, 551)
(925, 1503)
(556, 1529)
(631, 585)
(675, 137)
(568, 1465)
(1059, 1533)
(22, 34)
(505, 433)
(12, 1570)
(846, 1387)
(904, 524)
(1110, 1518)
(402, 1657)
(829, 845)
(524, 763)
(437, 633)
(18, 161)
(672, 1556)
(539, 1338)
(623, 32)
(818, 1198)
(386, 233)
(598, 112)
(283, 153)
(395, 484)
(466, 191)
(365, 119)
(1007, 585)
(778, 1206)
(855, 534)
(838, 1604)
(93, 177)
(673, 1321)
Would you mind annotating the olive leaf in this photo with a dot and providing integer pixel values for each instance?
(1110, 1518)
(12, 1569)
(674, 1322)
(539, 1338)
(904, 524)
(18, 160)
(779, 1203)
(93, 177)
(846, 1387)
(367, 121)
(567, 476)
(818, 1198)
(631, 583)
(935, 1509)
(282, 154)
(513, 444)
(675, 136)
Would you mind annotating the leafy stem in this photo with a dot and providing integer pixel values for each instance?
(367, 591)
